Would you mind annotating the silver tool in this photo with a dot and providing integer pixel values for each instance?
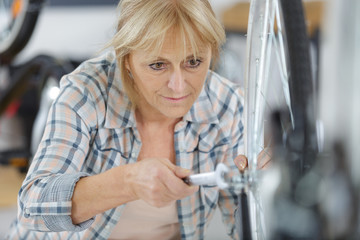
(215, 178)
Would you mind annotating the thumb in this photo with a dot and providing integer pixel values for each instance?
(182, 172)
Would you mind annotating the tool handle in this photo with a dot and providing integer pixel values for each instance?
(215, 178)
(201, 179)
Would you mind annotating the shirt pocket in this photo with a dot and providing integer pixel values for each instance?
(211, 150)
(205, 138)
(118, 140)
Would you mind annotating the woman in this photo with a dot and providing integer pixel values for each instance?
(129, 125)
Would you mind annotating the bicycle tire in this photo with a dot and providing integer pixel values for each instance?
(301, 87)
(297, 131)
(19, 30)
(32, 83)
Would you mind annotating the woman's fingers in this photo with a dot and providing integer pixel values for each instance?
(264, 158)
(159, 182)
(176, 185)
(241, 162)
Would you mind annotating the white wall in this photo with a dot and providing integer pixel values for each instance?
(79, 31)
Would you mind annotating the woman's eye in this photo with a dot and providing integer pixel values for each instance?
(158, 66)
(193, 63)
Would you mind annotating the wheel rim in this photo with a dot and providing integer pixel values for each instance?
(13, 14)
(267, 51)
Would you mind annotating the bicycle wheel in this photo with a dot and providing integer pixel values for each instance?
(278, 79)
(17, 22)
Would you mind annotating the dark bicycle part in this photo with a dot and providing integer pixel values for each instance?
(322, 204)
(18, 40)
(295, 146)
(19, 84)
(32, 73)
(301, 141)
(28, 81)
(290, 218)
(242, 217)
(298, 137)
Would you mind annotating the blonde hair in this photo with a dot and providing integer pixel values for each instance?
(143, 24)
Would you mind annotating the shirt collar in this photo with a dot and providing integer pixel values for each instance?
(119, 110)
(202, 110)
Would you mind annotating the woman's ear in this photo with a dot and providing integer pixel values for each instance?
(127, 66)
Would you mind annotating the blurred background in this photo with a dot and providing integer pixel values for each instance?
(70, 31)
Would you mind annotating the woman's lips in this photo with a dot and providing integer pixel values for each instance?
(176, 99)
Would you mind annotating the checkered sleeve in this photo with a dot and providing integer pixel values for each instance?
(45, 196)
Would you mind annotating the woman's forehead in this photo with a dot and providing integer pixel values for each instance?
(172, 53)
(175, 44)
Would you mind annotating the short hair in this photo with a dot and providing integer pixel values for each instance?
(143, 24)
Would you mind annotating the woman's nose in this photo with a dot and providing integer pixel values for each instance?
(177, 81)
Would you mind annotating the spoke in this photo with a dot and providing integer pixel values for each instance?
(281, 60)
(281, 40)
(267, 147)
(285, 68)
(280, 54)
(278, 47)
(266, 101)
(280, 57)
(263, 77)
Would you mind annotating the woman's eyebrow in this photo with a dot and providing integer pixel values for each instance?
(153, 58)
(192, 56)
(199, 54)
(159, 59)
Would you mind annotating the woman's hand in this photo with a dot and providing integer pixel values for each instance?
(263, 160)
(156, 181)
(159, 182)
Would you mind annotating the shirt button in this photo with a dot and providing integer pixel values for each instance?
(27, 211)
(107, 227)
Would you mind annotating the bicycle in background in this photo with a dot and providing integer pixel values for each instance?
(27, 89)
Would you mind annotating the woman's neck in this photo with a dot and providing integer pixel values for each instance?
(152, 119)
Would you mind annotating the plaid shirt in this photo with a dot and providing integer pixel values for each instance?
(91, 128)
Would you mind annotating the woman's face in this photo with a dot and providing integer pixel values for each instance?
(168, 84)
